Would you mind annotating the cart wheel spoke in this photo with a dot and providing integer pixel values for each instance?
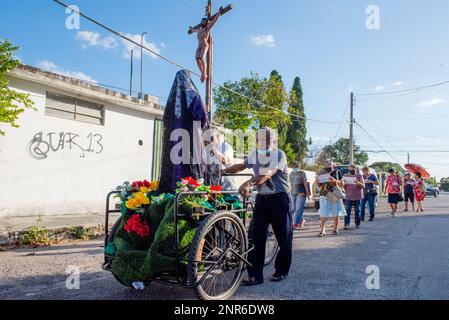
(217, 269)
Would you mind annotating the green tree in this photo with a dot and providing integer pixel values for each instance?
(297, 131)
(384, 166)
(339, 153)
(266, 106)
(12, 103)
(276, 96)
(432, 181)
(237, 112)
(444, 184)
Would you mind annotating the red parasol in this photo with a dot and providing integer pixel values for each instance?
(414, 168)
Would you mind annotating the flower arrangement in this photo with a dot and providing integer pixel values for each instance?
(211, 195)
(190, 184)
(138, 194)
(136, 197)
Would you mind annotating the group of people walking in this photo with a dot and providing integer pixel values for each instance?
(408, 189)
(341, 195)
(279, 194)
(358, 190)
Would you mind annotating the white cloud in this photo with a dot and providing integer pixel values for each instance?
(131, 46)
(379, 88)
(431, 103)
(398, 83)
(263, 40)
(90, 39)
(52, 67)
(93, 39)
(421, 138)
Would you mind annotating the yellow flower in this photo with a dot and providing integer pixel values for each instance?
(142, 198)
(138, 199)
(154, 185)
(138, 204)
(144, 189)
(130, 203)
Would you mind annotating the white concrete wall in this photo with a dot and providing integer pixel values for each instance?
(70, 181)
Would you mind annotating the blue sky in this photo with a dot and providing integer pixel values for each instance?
(325, 42)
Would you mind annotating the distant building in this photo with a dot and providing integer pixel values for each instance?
(83, 141)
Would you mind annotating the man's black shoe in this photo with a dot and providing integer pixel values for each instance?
(251, 281)
(278, 277)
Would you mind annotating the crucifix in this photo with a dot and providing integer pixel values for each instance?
(204, 53)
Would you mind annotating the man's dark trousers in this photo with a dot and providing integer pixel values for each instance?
(274, 210)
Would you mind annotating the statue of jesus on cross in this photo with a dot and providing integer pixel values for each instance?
(204, 30)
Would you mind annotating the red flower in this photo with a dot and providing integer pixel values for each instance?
(135, 225)
(137, 184)
(146, 183)
(216, 188)
(192, 182)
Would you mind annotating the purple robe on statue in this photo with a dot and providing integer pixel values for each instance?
(184, 110)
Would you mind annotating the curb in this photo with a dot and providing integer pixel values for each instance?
(57, 234)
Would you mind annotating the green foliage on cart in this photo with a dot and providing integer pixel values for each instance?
(144, 243)
(142, 260)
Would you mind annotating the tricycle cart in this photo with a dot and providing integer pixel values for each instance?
(218, 254)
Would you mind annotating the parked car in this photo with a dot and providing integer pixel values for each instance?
(432, 191)
(344, 170)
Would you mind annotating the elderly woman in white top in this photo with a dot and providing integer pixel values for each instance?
(329, 180)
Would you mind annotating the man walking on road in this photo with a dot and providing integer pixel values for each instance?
(272, 205)
(369, 194)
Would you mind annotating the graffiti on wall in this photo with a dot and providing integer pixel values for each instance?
(42, 145)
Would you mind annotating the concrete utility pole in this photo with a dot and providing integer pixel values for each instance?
(141, 65)
(351, 131)
(131, 76)
(408, 157)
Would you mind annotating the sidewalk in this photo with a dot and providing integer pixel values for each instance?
(10, 227)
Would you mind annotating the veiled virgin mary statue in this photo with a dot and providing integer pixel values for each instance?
(184, 121)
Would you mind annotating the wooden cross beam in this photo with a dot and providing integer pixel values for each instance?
(210, 16)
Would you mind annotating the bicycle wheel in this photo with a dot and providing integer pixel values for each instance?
(214, 257)
(271, 248)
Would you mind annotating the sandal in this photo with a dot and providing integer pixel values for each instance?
(251, 281)
(335, 233)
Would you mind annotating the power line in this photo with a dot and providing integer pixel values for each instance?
(409, 151)
(405, 90)
(108, 86)
(117, 88)
(342, 119)
(377, 98)
(118, 34)
(375, 141)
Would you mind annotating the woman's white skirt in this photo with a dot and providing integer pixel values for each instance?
(329, 209)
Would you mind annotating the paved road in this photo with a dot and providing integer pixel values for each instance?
(411, 252)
